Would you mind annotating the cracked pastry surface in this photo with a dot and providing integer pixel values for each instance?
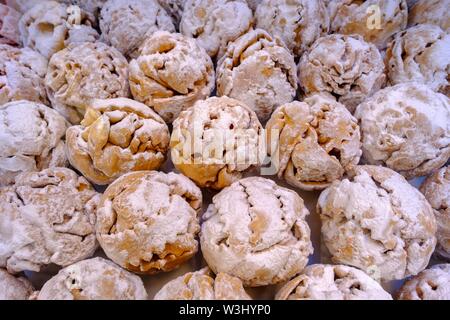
(317, 141)
(203, 285)
(14, 288)
(430, 12)
(171, 73)
(214, 23)
(115, 137)
(376, 221)
(9, 25)
(125, 24)
(175, 10)
(256, 230)
(147, 221)
(259, 71)
(345, 66)
(229, 136)
(406, 128)
(48, 217)
(298, 23)
(80, 73)
(332, 282)
(93, 279)
(31, 139)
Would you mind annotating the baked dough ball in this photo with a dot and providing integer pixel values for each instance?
(214, 23)
(345, 66)
(375, 20)
(47, 217)
(317, 141)
(174, 8)
(259, 71)
(147, 221)
(32, 139)
(14, 288)
(430, 284)
(93, 279)
(216, 141)
(431, 12)
(171, 73)
(420, 54)
(256, 230)
(203, 285)
(298, 23)
(22, 73)
(332, 282)
(436, 190)
(125, 24)
(80, 73)
(376, 221)
(406, 128)
(9, 25)
(117, 136)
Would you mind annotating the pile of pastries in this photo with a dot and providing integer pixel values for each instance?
(110, 113)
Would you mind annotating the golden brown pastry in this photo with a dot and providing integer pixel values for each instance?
(430, 12)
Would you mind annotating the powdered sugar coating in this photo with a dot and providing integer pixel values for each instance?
(175, 10)
(14, 288)
(9, 25)
(430, 12)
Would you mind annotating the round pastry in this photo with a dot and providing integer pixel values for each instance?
(22, 73)
(32, 139)
(298, 23)
(93, 279)
(14, 288)
(376, 221)
(147, 221)
(316, 140)
(203, 285)
(420, 54)
(430, 284)
(214, 23)
(174, 8)
(406, 128)
(115, 137)
(345, 66)
(430, 12)
(332, 282)
(125, 24)
(216, 141)
(9, 25)
(171, 73)
(436, 190)
(80, 73)
(47, 217)
(256, 231)
(259, 71)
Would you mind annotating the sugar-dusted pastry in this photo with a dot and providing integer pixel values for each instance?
(31, 139)
(91, 6)
(298, 23)
(21, 5)
(174, 8)
(332, 282)
(345, 66)
(259, 71)
(93, 279)
(115, 137)
(406, 128)
(14, 288)
(171, 72)
(253, 4)
(203, 285)
(430, 284)
(316, 141)
(125, 24)
(9, 25)
(436, 190)
(420, 54)
(375, 20)
(256, 230)
(376, 221)
(214, 23)
(430, 12)
(48, 217)
(216, 141)
(147, 221)
(22, 73)
(80, 73)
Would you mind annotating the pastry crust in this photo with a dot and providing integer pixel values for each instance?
(117, 136)
(430, 12)
(147, 221)
(256, 231)
(175, 10)
(171, 73)
(21, 6)
(91, 6)
(378, 222)
(14, 288)
(9, 25)
(406, 128)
